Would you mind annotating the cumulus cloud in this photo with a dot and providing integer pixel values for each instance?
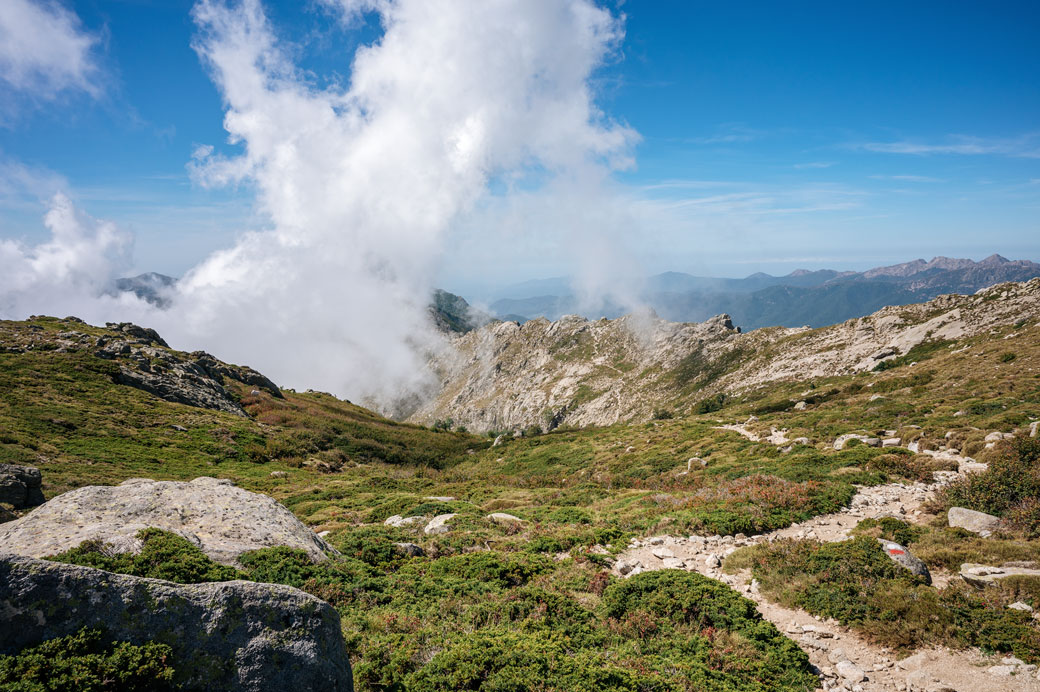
(71, 273)
(362, 183)
(45, 50)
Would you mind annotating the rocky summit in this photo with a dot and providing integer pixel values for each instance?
(225, 636)
(224, 521)
(508, 376)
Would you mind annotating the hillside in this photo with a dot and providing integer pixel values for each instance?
(528, 573)
(509, 376)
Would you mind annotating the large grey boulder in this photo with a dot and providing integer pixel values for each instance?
(976, 522)
(905, 559)
(20, 486)
(235, 635)
(224, 521)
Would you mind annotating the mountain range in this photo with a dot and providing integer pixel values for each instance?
(801, 298)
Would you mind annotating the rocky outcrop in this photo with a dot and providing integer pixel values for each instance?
(225, 636)
(142, 358)
(20, 486)
(224, 521)
(580, 372)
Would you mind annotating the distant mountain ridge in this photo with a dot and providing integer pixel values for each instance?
(803, 297)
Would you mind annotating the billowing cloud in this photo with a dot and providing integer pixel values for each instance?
(45, 50)
(71, 273)
(362, 184)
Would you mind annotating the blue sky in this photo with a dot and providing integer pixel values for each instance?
(773, 135)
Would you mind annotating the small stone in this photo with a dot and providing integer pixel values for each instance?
(849, 671)
(410, 549)
(279, 474)
(662, 553)
(1019, 605)
(656, 540)
(503, 518)
(1001, 671)
(672, 563)
(179, 428)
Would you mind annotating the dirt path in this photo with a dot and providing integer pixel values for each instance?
(844, 659)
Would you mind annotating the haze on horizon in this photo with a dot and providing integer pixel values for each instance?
(314, 171)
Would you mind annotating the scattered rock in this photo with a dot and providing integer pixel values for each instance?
(439, 524)
(179, 428)
(891, 442)
(20, 486)
(503, 518)
(849, 671)
(976, 522)
(410, 549)
(397, 521)
(800, 406)
(662, 553)
(904, 558)
(440, 498)
(234, 635)
(279, 474)
(986, 575)
(1019, 605)
(224, 521)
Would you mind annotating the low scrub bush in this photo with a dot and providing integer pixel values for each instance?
(87, 662)
(854, 582)
(1009, 488)
(163, 555)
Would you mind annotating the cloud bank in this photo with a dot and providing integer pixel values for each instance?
(362, 183)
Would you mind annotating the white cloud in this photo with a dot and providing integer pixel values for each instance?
(909, 178)
(69, 274)
(44, 50)
(1025, 146)
(363, 184)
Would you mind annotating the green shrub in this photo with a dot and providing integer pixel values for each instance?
(1008, 488)
(663, 414)
(710, 405)
(87, 662)
(1007, 357)
(164, 555)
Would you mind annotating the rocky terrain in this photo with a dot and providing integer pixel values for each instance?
(845, 659)
(142, 359)
(508, 376)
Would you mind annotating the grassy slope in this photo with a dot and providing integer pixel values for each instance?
(574, 488)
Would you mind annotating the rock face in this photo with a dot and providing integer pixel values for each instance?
(20, 486)
(225, 636)
(580, 372)
(224, 521)
(976, 522)
(902, 557)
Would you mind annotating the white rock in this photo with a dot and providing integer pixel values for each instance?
(503, 518)
(662, 553)
(1019, 605)
(849, 671)
(672, 563)
(890, 442)
(439, 524)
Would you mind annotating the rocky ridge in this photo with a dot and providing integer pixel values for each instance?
(143, 359)
(508, 376)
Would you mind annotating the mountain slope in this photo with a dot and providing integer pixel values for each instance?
(577, 372)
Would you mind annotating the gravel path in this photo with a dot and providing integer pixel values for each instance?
(844, 659)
